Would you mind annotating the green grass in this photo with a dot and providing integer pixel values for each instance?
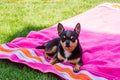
(19, 17)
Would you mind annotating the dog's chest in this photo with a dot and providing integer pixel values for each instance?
(66, 56)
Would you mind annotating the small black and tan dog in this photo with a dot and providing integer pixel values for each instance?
(66, 48)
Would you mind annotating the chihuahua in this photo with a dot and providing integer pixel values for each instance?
(66, 48)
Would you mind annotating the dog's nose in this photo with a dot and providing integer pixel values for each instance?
(67, 43)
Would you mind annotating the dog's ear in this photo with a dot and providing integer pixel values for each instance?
(60, 28)
(77, 28)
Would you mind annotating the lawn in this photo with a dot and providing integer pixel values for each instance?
(19, 17)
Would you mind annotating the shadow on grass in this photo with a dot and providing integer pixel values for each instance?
(24, 32)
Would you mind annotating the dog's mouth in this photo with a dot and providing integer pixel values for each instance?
(69, 47)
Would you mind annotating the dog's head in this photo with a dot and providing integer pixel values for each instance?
(68, 38)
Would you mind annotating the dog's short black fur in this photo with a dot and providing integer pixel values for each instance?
(50, 47)
(66, 48)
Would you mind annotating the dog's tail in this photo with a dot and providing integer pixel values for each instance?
(40, 47)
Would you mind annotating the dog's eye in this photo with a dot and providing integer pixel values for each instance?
(64, 37)
(72, 38)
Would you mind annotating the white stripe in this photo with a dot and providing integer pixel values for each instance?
(18, 54)
(4, 53)
(7, 47)
(92, 76)
(66, 76)
(32, 52)
(44, 61)
(22, 56)
(65, 66)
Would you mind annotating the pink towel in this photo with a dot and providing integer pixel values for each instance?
(99, 38)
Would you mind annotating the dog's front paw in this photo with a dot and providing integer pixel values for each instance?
(53, 61)
(48, 57)
(76, 68)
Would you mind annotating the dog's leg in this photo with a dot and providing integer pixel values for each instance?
(47, 56)
(76, 68)
(55, 60)
(77, 64)
(50, 51)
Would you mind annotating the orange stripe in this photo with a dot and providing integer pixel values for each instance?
(27, 53)
(85, 76)
(5, 50)
(75, 76)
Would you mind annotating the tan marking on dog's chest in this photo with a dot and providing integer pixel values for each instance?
(60, 57)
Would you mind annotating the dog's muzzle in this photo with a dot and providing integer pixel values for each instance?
(67, 43)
